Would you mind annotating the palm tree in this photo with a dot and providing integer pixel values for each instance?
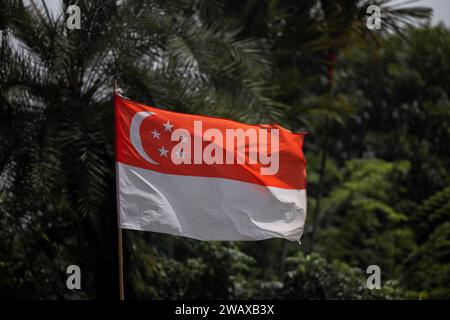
(56, 152)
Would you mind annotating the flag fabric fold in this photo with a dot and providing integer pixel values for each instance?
(207, 178)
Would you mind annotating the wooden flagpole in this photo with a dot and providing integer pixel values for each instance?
(119, 229)
(119, 238)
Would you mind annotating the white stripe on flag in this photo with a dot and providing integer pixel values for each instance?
(208, 208)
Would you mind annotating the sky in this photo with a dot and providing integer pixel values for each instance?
(441, 8)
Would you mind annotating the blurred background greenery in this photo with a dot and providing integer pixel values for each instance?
(376, 104)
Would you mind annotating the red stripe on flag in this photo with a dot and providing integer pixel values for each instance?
(211, 147)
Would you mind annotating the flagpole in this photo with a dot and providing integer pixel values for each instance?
(119, 229)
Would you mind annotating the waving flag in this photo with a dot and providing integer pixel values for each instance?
(207, 178)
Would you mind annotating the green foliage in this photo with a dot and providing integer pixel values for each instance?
(155, 275)
(432, 213)
(361, 222)
(404, 106)
(404, 118)
(313, 277)
(429, 267)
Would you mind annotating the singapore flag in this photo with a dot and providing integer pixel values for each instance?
(207, 178)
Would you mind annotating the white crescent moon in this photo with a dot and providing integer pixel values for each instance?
(135, 137)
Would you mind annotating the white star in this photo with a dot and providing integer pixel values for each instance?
(163, 152)
(183, 139)
(155, 134)
(167, 126)
(181, 154)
